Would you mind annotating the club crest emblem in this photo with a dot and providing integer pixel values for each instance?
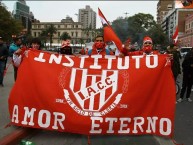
(93, 94)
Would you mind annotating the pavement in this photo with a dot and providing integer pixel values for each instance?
(183, 128)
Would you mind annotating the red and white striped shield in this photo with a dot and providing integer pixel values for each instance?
(93, 91)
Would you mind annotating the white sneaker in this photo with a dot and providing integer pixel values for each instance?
(180, 100)
(189, 100)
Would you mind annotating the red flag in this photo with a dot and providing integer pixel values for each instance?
(109, 34)
(175, 36)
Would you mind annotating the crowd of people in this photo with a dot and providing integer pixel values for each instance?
(17, 51)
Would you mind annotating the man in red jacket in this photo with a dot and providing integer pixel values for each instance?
(148, 46)
(99, 47)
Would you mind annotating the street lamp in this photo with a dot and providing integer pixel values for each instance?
(126, 14)
(76, 29)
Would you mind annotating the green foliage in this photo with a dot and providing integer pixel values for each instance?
(120, 26)
(8, 25)
(158, 36)
(51, 30)
(65, 36)
(138, 26)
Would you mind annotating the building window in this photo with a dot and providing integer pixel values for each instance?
(35, 34)
(58, 26)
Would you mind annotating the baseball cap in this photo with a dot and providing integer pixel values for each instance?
(147, 39)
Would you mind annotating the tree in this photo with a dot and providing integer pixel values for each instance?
(81, 41)
(120, 27)
(51, 31)
(138, 25)
(8, 26)
(87, 31)
(135, 27)
(158, 36)
(44, 36)
(65, 36)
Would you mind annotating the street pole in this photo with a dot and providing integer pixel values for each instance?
(126, 14)
(76, 28)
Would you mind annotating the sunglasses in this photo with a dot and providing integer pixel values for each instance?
(147, 43)
(99, 40)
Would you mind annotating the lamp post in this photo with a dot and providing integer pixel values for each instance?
(76, 29)
(126, 14)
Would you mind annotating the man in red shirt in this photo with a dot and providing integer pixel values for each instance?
(99, 47)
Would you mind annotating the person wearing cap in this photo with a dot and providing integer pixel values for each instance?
(187, 81)
(3, 55)
(147, 47)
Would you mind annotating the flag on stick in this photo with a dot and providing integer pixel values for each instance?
(109, 34)
(175, 36)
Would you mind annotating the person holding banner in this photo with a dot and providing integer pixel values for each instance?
(127, 48)
(147, 48)
(19, 54)
(99, 47)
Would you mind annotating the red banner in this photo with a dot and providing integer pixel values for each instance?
(94, 94)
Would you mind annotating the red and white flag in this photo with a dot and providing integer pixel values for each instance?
(175, 36)
(76, 97)
(109, 34)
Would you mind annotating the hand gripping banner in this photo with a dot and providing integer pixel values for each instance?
(94, 94)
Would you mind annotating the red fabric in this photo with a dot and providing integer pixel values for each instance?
(147, 39)
(109, 34)
(94, 95)
(82, 51)
(139, 52)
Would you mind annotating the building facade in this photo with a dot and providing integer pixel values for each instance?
(175, 17)
(87, 17)
(186, 39)
(74, 29)
(163, 7)
(22, 12)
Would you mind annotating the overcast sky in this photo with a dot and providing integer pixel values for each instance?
(55, 11)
